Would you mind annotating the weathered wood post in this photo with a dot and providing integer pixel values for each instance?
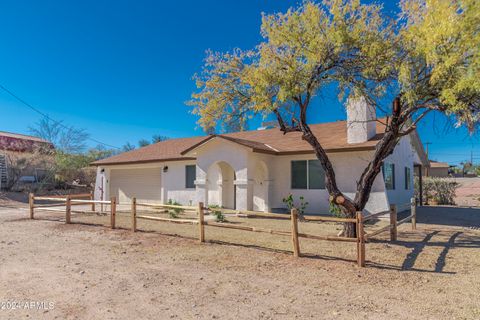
(360, 241)
(113, 211)
(201, 220)
(31, 199)
(134, 214)
(393, 222)
(296, 244)
(413, 208)
(92, 197)
(68, 210)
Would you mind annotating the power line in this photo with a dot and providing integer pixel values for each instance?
(48, 117)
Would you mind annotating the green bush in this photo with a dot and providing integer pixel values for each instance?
(174, 212)
(219, 216)
(440, 190)
(290, 203)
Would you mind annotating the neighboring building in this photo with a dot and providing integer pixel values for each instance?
(438, 169)
(14, 146)
(255, 170)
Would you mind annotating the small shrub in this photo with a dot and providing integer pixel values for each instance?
(219, 216)
(290, 203)
(335, 210)
(174, 212)
(440, 190)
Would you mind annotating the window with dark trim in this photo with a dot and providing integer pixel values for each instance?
(408, 178)
(307, 174)
(388, 170)
(190, 175)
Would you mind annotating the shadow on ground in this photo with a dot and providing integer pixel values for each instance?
(467, 217)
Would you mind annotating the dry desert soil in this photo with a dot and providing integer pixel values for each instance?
(86, 270)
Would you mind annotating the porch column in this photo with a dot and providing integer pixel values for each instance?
(420, 185)
(201, 191)
(268, 186)
(243, 194)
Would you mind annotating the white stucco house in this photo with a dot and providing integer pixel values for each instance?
(255, 170)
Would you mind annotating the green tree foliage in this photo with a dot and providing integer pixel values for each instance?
(428, 60)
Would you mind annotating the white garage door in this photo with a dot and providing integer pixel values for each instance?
(144, 184)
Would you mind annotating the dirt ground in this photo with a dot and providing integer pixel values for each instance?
(468, 192)
(92, 272)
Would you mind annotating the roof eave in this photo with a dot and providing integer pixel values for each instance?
(99, 163)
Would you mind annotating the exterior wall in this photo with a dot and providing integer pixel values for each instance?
(219, 151)
(261, 181)
(438, 172)
(348, 167)
(173, 181)
(403, 156)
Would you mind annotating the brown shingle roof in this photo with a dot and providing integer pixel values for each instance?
(168, 150)
(332, 136)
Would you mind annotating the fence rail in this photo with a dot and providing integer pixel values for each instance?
(358, 221)
(68, 201)
(394, 223)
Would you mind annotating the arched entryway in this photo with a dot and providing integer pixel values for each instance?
(220, 185)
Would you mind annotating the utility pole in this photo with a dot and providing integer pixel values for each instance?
(428, 158)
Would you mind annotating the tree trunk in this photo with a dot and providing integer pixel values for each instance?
(336, 196)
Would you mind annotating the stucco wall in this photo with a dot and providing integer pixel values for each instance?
(403, 156)
(263, 180)
(173, 181)
(232, 157)
(347, 166)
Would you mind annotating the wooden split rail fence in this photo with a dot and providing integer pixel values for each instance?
(393, 221)
(68, 201)
(295, 235)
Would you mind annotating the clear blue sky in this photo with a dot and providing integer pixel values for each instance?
(122, 69)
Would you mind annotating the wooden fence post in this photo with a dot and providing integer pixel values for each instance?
(134, 214)
(360, 241)
(113, 211)
(92, 197)
(68, 210)
(296, 245)
(393, 222)
(31, 199)
(201, 220)
(413, 212)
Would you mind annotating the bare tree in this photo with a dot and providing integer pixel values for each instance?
(65, 138)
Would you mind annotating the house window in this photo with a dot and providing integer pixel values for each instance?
(307, 174)
(408, 179)
(389, 175)
(190, 174)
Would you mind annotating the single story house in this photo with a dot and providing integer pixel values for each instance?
(255, 170)
(439, 169)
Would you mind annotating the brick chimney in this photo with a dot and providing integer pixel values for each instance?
(360, 120)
